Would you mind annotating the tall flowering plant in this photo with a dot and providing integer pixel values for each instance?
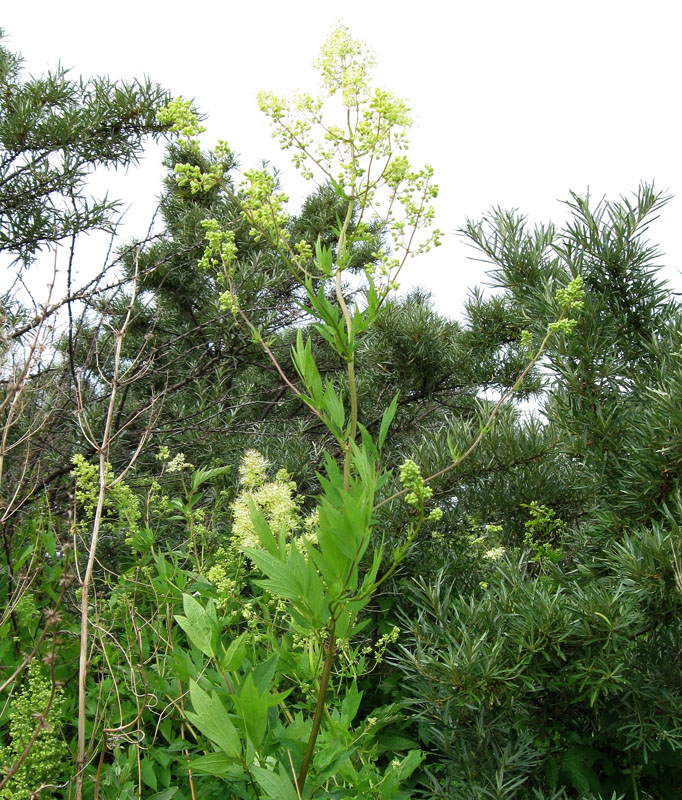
(353, 137)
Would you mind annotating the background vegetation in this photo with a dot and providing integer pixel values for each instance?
(269, 530)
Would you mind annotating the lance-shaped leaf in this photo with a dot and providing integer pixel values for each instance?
(233, 655)
(386, 421)
(302, 357)
(263, 530)
(252, 707)
(217, 764)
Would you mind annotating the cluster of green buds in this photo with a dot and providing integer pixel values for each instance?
(221, 249)
(264, 206)
(417, 491)
(526, 341)
(412, 481)
(35, 712)
(572, 298)
(183, 120)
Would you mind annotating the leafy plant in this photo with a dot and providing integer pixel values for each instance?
(320, 582)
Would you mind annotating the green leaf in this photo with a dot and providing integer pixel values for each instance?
(328, 760)
(302, 357)
(551, 772)
(333, 483)
(233, 655)
(408, 765)
(345, 621)
(333, 405)
(323, 256)
(336, 528)
(216, 764)
(211, 718)
(350, 704)
(280, 581)
(312, 589)
(386, 420)
(371, 574)
(264, 673)
(26, 552)
(328, 333)
(165, 794)
(333, 567)
(364, 460)
(252, 707)
(335, 547)
(147, 773)
(198, 625)
(162, 566)
(263, 529)
(183, 665)
(201, 475)
(394, 743)
(295, 579)
(277, 786)
(576, 763)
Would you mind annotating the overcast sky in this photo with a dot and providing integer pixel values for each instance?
(516, 102)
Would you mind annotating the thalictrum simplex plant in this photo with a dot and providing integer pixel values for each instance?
(353, 137)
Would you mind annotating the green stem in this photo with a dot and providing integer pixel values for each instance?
(319, 708)
(352, 389)
(353, 393)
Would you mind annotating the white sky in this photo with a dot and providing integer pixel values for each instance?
(516, 101)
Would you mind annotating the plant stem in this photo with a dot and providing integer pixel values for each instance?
(352, 390)
(329, 655)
